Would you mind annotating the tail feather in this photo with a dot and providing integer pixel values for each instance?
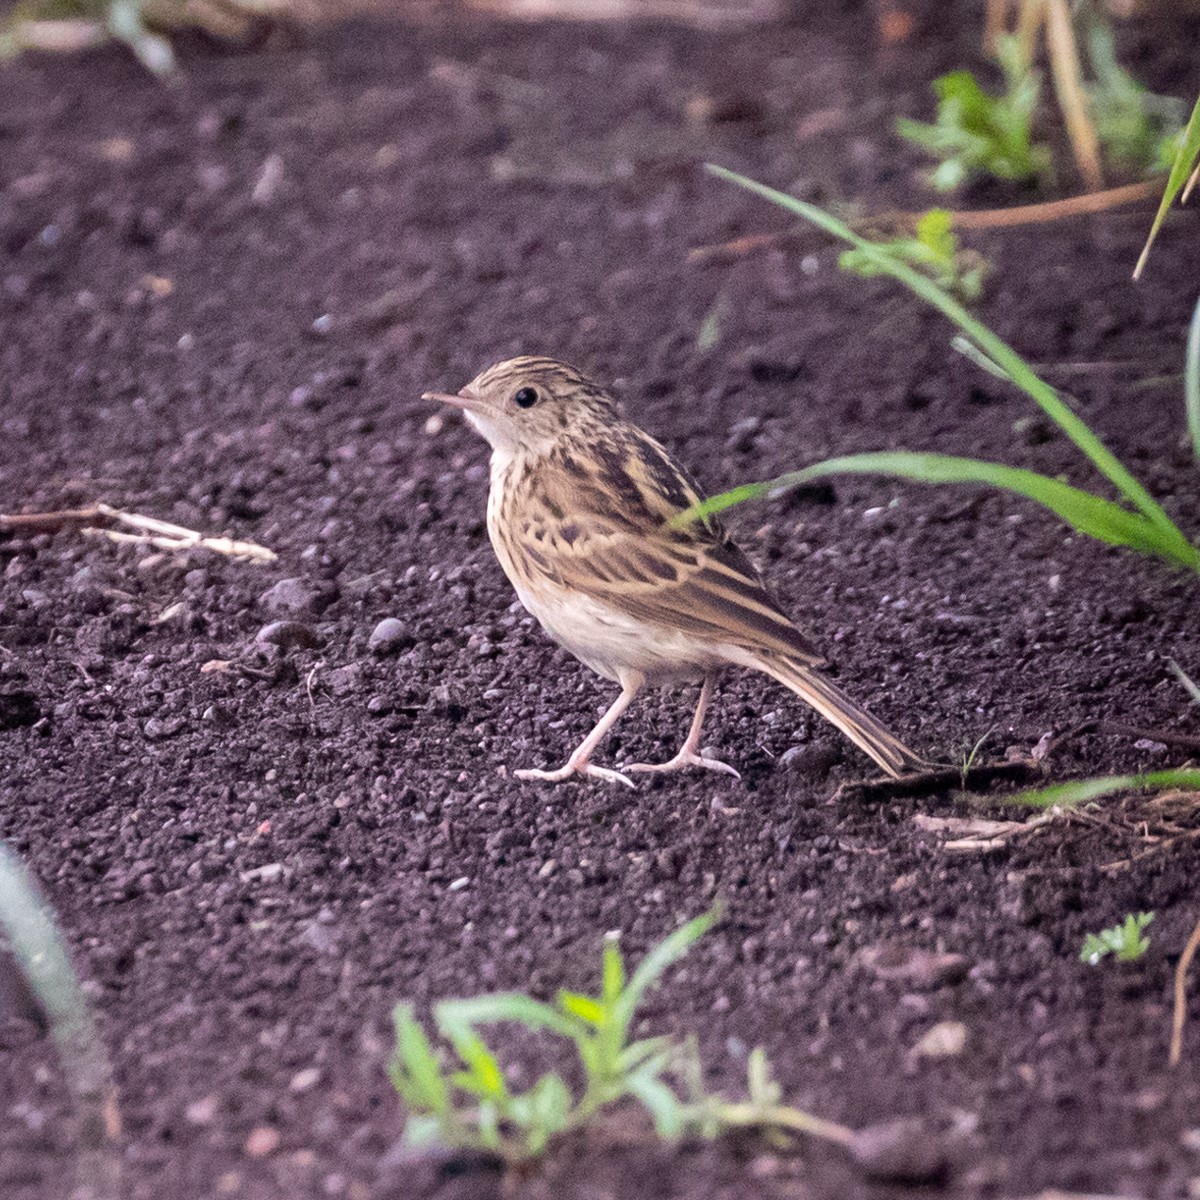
(835, 706)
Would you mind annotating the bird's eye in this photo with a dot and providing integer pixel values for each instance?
(525, 397)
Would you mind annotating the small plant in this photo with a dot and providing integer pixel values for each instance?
(1125, 941)
(1137, 129)
(1139, 523)
(474, 1106)
(934, 251)
(977, 133)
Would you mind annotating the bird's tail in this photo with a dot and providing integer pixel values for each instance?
(835, 706)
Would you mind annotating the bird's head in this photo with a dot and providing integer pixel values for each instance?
(531, 404)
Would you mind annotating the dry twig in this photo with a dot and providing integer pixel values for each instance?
(1180, 1015)
(92, 521)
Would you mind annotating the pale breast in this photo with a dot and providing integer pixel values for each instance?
(611, 642)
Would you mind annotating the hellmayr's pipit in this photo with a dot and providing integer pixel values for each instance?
(580, 516)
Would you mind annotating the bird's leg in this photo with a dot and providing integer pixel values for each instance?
(580, 762)
(689, 753)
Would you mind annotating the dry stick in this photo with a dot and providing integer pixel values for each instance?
(1191, 183)
(1123, 864)
(151, 531)
(1030, 15)
(984, 218)
(1180, 1015)
(1064, 65)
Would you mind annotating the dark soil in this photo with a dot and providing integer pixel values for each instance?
(221, 301)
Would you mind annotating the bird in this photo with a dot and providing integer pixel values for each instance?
(589, 518)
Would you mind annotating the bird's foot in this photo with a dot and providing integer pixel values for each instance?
(684, 759)
(570, 769)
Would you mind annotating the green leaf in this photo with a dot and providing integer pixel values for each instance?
(1081, 791)
(583, 1007)
(1186, 158)
(668, 951)
(660, 1102)
(637, 1053)
(613, 971)
(1124, 941)
(1093, 515)
(415, 1071)
(975, 132)
(483, 1076)
(422, 1131)
(1191, 381)
(501, 1006)
(763, 1090)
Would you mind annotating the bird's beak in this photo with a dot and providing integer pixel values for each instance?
(464, 399)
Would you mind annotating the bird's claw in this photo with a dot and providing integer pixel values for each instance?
(680, 762)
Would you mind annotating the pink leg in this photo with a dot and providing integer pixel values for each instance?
(580, 762)
(689, 753)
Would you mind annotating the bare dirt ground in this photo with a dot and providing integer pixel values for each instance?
(220, 303)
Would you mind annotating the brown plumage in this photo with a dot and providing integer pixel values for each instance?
(580, 515)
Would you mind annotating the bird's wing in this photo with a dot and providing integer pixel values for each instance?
(606, 532)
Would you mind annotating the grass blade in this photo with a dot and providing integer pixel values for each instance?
(415, 1071)
(454, 1016)
(32, 933)
(1092, 515)
(1190, 686)
(669, 950)
(1080, 791)
(1186, 158)
(1191, 381)
(1006, 358)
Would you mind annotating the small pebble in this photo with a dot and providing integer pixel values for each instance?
(262, 1141)
(296, 596)
(919, 968)
(944, 1040)
(900, 1151)
(156, 730)
(388, 636)
(202, 1111)
(306, 1080)
(288, 633)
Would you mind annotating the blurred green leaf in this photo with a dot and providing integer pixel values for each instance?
(583, 1007)
(975, 132)
(415, 1071)
(668, 951)
(1191, 380)
(1081, 791)
(1186, 158)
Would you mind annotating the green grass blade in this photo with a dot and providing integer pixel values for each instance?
(1191, 381)
(1080, 791)
(660, 1102)
(455, 1015)
(584, 1007)
(483, 1076)
(415, 1071)
(1006, 358)
(28, 926)
(668, 951)
(1186, 158)
(1190, 686)
(1098, 518)
(612, 972)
